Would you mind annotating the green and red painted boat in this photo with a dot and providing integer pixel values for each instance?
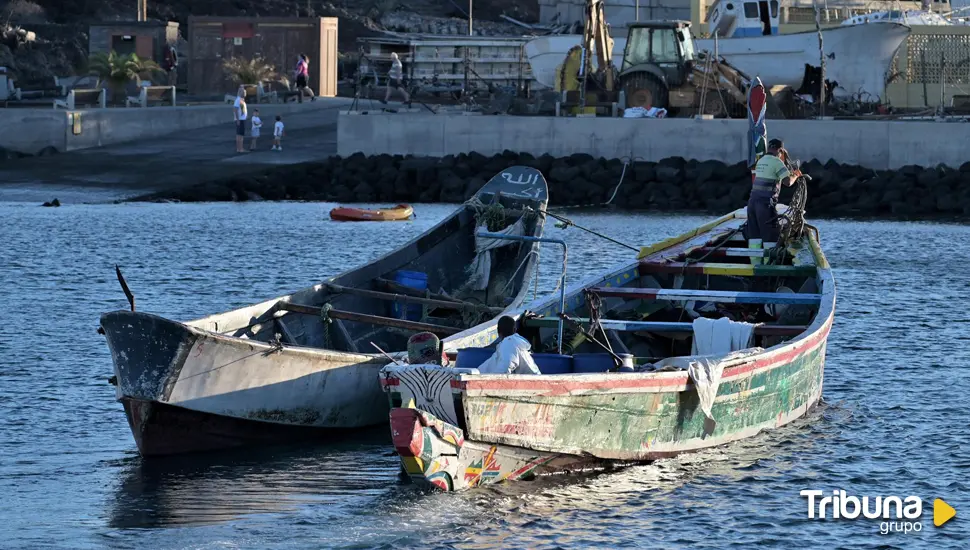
(631, 376)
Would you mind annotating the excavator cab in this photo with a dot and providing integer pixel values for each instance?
(659, 57)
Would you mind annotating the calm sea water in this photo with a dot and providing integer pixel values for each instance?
(896, 417)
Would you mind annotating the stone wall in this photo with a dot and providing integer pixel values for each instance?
(880, 145)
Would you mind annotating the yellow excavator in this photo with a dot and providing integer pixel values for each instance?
(660, 68)
(585, 88)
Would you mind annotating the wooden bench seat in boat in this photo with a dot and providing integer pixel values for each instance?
(710, 268)
(662, 326)
(720, 296)
(726, 252)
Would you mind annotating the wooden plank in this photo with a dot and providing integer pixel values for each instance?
(661, 326)
(407, 299)
(371, 319)
(398, 288)
(720, 296)
(712, 252)
(743, 270)
(667, 243)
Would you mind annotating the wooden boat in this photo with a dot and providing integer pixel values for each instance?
(455, 428)
(303, 365)
(347, 214)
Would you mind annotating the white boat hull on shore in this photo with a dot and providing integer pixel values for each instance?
(777, 60)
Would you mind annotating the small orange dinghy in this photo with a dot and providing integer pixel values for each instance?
(347, 214)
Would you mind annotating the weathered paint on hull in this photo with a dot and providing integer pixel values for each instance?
(517, 437)
(295, 390)
(646, 421)
(161, 429)
(436, 456)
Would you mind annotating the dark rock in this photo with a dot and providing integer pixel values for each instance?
(928, 177)
(472, 187)
(53, 203)
(644, 171)
(673, 162)
(668, 174)
(579, 159)
(564, 174)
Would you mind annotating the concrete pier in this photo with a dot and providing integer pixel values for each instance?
(880, 145)
(168, 160)
(31, 130)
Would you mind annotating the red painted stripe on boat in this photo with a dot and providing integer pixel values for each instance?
(390, 382)
(559, 387)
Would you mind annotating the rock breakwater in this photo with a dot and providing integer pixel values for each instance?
(912, 192)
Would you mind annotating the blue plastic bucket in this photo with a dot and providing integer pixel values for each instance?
(551, 363)
(592, 362)
(411, 279)
(472, 358)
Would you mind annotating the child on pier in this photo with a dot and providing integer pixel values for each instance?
(257, 124)
(278, 133)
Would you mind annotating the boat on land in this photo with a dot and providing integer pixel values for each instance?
(778, 59)
(400, 212)
(633, 380)
(305, 365)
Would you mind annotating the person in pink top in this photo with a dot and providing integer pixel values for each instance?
(302, 74)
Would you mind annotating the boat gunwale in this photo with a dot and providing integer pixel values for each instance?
(814, 335)
(465, 210)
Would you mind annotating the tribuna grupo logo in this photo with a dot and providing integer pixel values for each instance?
(898, 514)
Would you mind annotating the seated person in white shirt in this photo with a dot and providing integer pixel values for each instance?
(512, 353)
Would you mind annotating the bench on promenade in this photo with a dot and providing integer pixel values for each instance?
(150, 95)
(68, 83)
(80, 97)
(259, 91)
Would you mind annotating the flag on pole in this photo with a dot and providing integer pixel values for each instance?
(757, 132)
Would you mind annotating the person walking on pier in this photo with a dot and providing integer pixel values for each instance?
(302, 74)
(240, 115)
(395, 79)
(770, 174)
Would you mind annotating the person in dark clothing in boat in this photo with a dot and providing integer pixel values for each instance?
(512, 354)
(770, 174)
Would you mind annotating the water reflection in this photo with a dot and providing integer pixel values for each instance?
(211, 488)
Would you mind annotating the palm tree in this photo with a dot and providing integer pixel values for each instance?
(116, 70)
(248, 71)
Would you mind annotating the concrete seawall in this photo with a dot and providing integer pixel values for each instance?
(31, 130)
(880, 145)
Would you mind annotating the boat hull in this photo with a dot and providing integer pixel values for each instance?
(400, 212)
(215, 390)
(777, 60)
(517, 429)
(161, 429)
(457, 429)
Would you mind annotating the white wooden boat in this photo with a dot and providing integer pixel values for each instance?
(302, 366)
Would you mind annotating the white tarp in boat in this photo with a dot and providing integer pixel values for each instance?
(714, 337)
(481, 266)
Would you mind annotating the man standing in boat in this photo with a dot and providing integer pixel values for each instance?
(770, 174)
(512, 353)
